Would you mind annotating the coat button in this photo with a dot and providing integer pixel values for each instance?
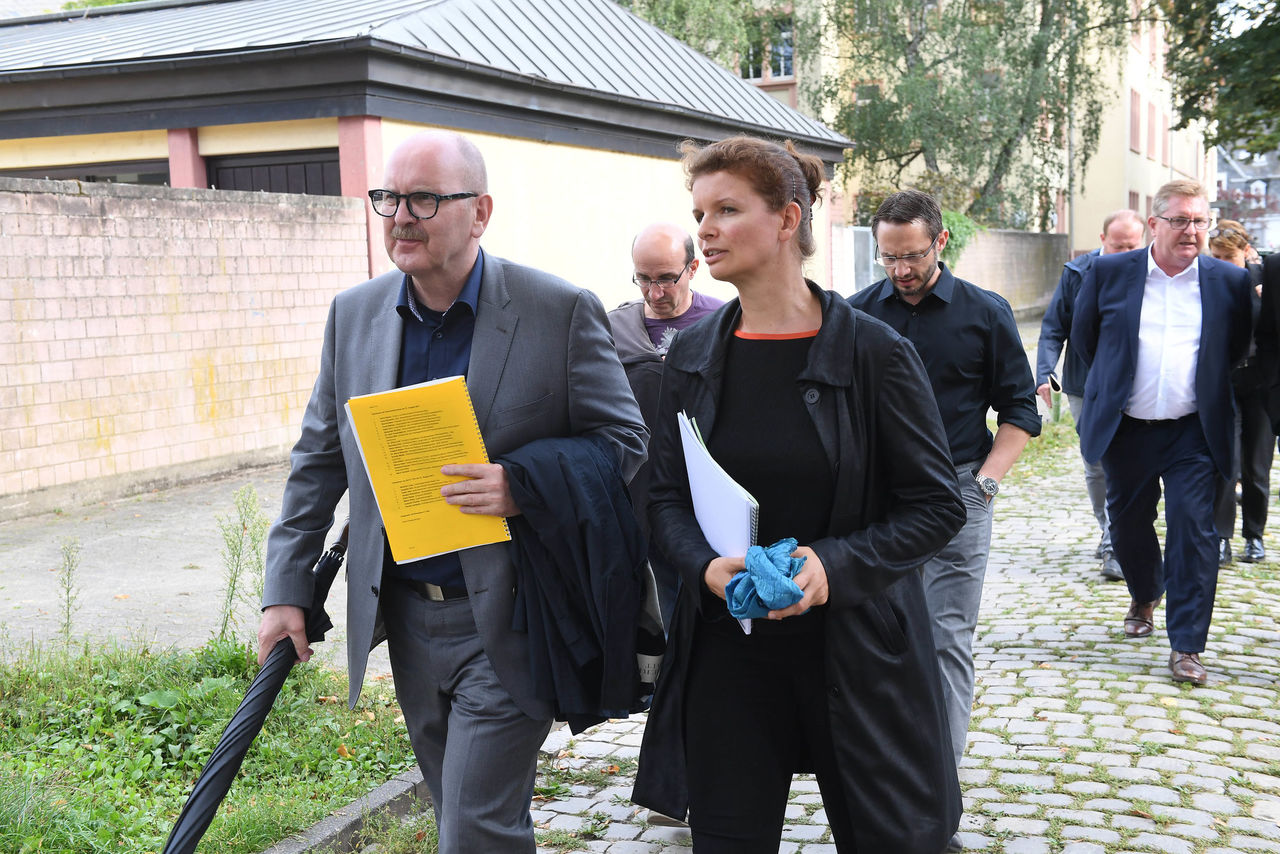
(834, 691)
(811, 396)
(374, 590)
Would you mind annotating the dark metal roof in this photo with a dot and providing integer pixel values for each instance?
(591, 49)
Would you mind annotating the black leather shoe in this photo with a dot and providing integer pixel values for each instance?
(1111, 570)
(1253, 550)
(1224, 551)
(955, 844)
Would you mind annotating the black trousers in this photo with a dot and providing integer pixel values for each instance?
(756, 714)
(1252, 464)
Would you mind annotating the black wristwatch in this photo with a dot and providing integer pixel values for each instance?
(989, 485)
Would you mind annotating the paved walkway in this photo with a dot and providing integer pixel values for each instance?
(1080, 742)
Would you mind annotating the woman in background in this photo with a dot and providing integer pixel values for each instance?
(826, 417)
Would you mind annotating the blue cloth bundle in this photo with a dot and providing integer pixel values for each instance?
(766, 585)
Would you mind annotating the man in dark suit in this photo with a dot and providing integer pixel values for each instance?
(539, 363)
(1161, 328)
(1268, 337)
(1122, 231)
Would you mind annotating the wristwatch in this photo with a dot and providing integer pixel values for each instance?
(989, 485)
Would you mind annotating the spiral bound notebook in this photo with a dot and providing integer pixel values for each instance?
(727, 514)
(405, 435)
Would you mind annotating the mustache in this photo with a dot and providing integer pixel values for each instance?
(404, 232)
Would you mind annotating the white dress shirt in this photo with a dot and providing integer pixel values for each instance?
(1164, 382)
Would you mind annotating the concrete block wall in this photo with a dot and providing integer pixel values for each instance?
(1021, 266)
(150, 335)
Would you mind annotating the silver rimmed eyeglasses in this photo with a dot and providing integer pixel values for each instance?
(666, 282)
(1178, 223)
(889, 260)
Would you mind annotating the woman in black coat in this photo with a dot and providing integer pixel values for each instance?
(826, 416)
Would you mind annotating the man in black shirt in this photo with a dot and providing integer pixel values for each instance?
(969, 343)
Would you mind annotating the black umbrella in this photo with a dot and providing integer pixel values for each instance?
(215, 780)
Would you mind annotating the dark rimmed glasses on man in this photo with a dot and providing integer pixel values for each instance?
(665, 282)
(1179, 223)
(914, 257)
(420, 205)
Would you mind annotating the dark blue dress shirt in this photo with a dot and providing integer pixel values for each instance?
(436, 344)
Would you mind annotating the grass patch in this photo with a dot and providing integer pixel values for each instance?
(99, 748)
(413, 834)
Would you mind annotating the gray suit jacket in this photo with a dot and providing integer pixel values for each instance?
(542, 365)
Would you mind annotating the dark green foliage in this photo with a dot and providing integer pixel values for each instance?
(968, 100)
(1224, 59)
(98, 749)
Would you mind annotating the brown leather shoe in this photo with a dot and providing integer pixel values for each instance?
(1138, 622)
(1186, 667)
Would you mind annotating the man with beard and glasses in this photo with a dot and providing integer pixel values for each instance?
(973, 355)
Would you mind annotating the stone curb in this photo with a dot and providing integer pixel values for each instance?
(398, 797)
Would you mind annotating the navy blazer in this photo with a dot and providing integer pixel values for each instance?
(1105, 329)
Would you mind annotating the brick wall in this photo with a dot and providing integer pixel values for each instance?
(150, 335)
(1021, 266)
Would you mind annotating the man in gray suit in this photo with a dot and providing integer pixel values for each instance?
(539, 363)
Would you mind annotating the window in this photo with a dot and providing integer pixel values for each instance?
(1164, 139)
(1151, 131)
(781, 48)
(1258, 190)
(865, 93)
(312, 172)
(867, 16)
(1133, 200)
(1148, 207)
(773, 43)
(751, 63)
(1135, 121)
(986, 13)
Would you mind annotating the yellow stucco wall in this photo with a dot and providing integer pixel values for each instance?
(215, 140)
(34, 152)
(570, 210)
(573, 211)
(253, 137)
(1115, 169)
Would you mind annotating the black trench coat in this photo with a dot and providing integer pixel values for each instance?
(897, 502)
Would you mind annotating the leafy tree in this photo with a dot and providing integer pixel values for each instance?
(971, 100)
(1225, 62)
(719, 28)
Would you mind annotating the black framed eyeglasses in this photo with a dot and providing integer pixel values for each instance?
(665, 282)
(1178, 223)
(420, 205)
(890, 260)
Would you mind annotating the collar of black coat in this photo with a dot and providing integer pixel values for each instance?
(701, 348)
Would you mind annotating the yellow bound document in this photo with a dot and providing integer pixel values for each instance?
(405, 435)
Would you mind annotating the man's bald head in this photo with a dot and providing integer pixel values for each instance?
(1122, 231)
(664, 263)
